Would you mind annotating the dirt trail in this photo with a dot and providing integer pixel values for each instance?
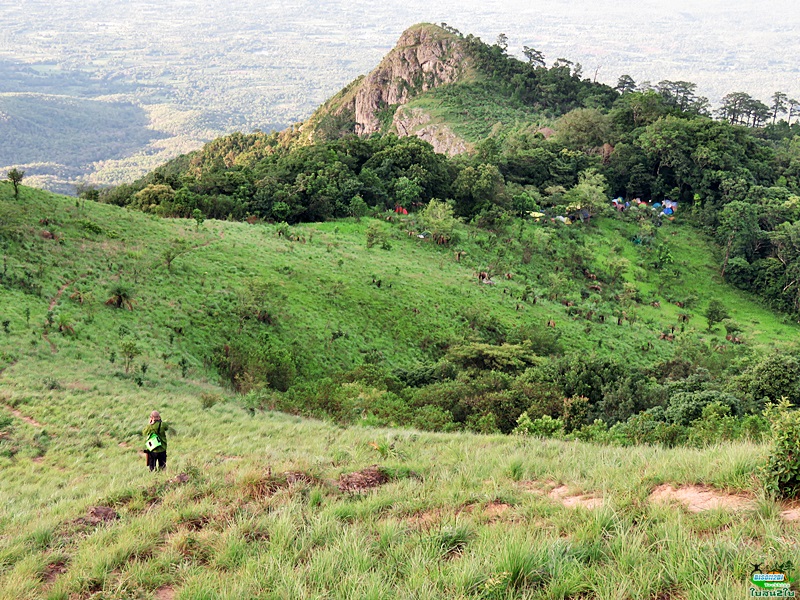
(791, 512)
(19, 415)
(53, 348)
(54, 299)
(53, 302)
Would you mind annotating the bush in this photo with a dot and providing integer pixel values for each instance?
(207, 400)
(597, 432)
(483, 423)
(686, 407)
(433, 418)
(716, 424)
(773, 378)
(782, 471)
(648, 427)
(545, 426)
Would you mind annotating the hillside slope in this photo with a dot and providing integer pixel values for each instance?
(261, 503)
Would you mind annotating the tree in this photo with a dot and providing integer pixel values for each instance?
(439, 220)
(779, 100)
(534, 56)
(88, 192)
(739, 108)
(502, 42)
(739, 230)
(357, 207)
(173, 251)
(15, 176)
(129, 350)
(625, 84)
(583, 128)
(792, 104)
(406, 191)
(198, 217)
(716, 313)
(151, 197)
(589, 194)
(681, 95)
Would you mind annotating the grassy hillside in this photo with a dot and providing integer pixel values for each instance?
(262, 504)
(317, 287)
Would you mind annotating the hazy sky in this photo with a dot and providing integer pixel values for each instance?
(202, 68)
(722, 45)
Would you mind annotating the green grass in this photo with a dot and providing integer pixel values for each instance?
(457, 518)
(476, 110)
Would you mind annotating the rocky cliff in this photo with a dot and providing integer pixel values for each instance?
(415, 121)
(425, 57)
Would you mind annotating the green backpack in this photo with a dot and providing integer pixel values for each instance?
(153, 441)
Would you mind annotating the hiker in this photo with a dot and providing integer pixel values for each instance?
(156, 442)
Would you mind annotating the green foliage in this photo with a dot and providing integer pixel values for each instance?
(377, 236)
(129, 350)
(782, 470)
(120, 296)
(544, 426)
(508, 358)
(685, 407)
(771, 378)
(15, 177)
(437, 217)
(716, 313)
(453, 539)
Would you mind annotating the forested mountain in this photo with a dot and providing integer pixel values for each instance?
(513, 137)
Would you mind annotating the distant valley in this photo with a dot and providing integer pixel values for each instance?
(184, 76)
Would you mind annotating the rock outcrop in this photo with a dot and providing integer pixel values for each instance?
(425, 57)
(415, 121)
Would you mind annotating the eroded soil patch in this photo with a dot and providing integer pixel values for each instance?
(165, 593)
(561, 494)
(699, 498)
(95, 516)
(791, 511)
(53, 570)
(366, 479)
(271, 484)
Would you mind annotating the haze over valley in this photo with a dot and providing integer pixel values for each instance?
(104, 92)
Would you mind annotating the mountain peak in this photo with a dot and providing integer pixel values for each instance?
(425, 57)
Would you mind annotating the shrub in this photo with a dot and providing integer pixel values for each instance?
(433, 418)
(782, 471)
(773, 378)
(52, 384)
(648, 427)
(597, 432)
(715, 424)
(508, 358)
(545, 426)
(483, 423)
(207, 399)
(452, 539)
(688, 406)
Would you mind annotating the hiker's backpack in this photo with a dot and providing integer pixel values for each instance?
(154, 440)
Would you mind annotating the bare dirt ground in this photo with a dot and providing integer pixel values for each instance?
(699, 498)
(561, 493)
